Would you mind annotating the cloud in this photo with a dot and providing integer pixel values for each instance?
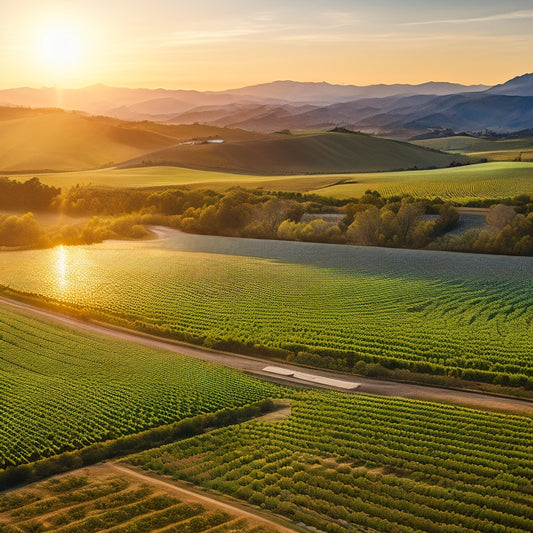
(208, 37)
(514, 15)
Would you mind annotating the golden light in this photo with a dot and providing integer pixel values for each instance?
(61, 48)
(61, 266)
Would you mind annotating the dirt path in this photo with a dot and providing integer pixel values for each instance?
(193, 495)
(255, 365)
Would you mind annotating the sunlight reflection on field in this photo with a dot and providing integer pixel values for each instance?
(61, 266)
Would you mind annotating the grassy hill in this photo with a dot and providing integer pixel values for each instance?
(458, 184)
(500, 150)
(314, 153)
(52, 139)
(466, 144)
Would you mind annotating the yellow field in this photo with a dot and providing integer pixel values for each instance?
(488, 180)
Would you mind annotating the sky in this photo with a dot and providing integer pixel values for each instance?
(216, 45)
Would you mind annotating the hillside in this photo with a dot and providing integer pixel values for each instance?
(468, 144)
(519, 86)
(313, 153)
(52, 139)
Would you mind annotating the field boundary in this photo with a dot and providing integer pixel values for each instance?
(255, 365)
(157, 436)
(195, 493)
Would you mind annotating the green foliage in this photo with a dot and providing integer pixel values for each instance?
(468, 185)
(343, 462)
(86, 390)
(23, 231)
(30, 194)
(507, 233)
(427, 312)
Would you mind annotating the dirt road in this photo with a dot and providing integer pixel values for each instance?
(194, 495)
(256, 365)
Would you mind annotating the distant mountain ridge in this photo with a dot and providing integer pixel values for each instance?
(519, 86)
(399, 110)
(101, 98)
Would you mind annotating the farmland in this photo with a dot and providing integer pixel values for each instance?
(341, 462)
(63, 391)
(518, 149)
(99, 498)
(463, 144)
(343, 307)
(458, 184)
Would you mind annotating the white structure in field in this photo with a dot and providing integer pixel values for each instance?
(340, 384)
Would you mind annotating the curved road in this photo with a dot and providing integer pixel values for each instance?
(256, 365)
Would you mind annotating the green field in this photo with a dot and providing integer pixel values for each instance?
(463, 144)
(63, 390)
(340, 462)
(459, 184)
(167, 176)
(451, 314)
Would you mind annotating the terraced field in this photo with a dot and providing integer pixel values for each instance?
(461, 314)
(63, 390)
(340, 463)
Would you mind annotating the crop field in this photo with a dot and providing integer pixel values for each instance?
(458, 184)
(63, 390)
(97, 499)
(505, 155)
(342, 462)
(465, 145)
(455, 314)
(163, 176)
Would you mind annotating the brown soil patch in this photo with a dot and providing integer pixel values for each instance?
(40, 504)
(283, 411)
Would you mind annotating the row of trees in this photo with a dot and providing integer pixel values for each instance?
(25, 231)
(31, 195)
(369, 221)
(151, 438)
(507, 232)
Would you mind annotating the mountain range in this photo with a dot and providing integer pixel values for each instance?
(399, 110)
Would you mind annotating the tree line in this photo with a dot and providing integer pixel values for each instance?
(109, 449)
(370, 220)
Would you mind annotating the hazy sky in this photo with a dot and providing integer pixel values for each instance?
(208, 44)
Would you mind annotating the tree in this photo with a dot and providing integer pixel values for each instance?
(500, 216)
(365, 228)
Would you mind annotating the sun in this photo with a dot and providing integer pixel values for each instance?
(61, 48)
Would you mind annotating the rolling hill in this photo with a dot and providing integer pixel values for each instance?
(312, 153)
(52, 139)
(465, 144)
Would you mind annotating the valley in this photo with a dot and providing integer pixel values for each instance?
(161, 249)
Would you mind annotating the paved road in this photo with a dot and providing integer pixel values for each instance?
(256, 365)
